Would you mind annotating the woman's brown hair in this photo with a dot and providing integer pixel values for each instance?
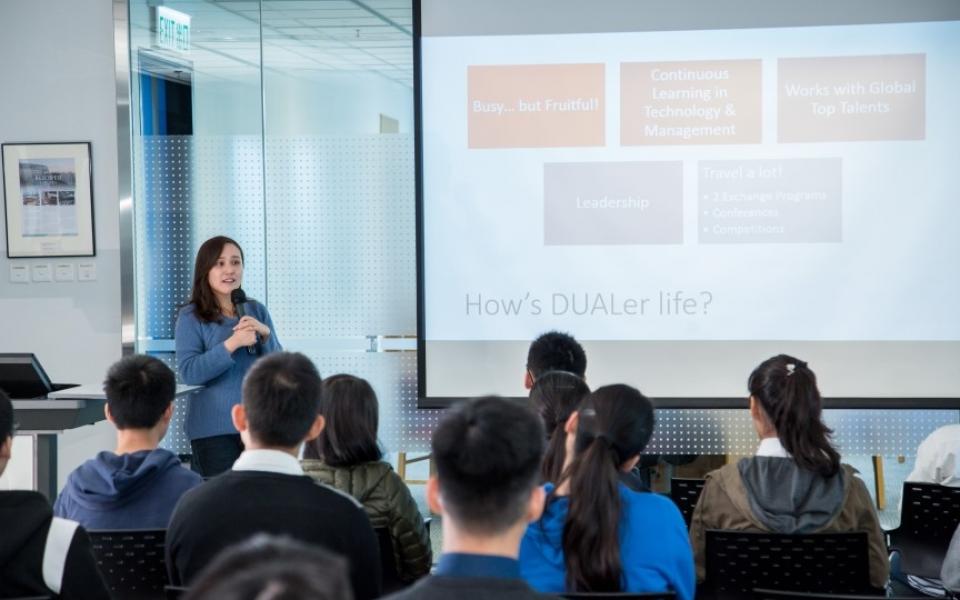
(786, 388)
(202, 297)
(615, 424)
(555, 395)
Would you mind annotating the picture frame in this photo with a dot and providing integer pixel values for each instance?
(48, 199)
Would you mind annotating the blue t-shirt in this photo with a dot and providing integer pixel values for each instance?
(655, 552)
(202, 359)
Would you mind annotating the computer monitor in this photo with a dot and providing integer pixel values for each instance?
(21, 376)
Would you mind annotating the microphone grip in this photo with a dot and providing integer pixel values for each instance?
(241, 310)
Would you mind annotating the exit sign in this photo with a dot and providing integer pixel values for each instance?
(173, 29)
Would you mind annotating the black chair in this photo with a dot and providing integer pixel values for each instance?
(132, 562)
(389, 571)
(737, 562)
(760, 594)
(685, 493)
(174, 592)
(621, 595)
(929, 517)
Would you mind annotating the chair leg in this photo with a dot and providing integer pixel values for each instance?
(878, 483)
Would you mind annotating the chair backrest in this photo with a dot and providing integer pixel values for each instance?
(737, 562)
(389, 574)
(621, 595)
(174, 592)
(131, 561)
(685, 493)
(928, 519)
(761, 594)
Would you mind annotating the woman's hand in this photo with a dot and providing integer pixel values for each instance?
(249, 322)
(246, 336)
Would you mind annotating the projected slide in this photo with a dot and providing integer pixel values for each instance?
(749, 185)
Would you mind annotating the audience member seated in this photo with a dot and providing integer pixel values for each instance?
(347, 457)
(795, 482)
(555, 395)
(938, 458)
(267, 491)
(137, 486)
(272, 567)
(938, 461)
(554, 351)
(40, 555)
(596, 534)
(487, 453)
(950, 572)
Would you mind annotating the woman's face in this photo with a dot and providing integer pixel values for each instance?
(227, 274)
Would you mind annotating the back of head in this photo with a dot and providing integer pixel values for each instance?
(555, 395)
(281, 396)
(487, 452)
(273, 568)
(139, 389)
(349, 406)
(615, 423)
(555, 351)
(787, 391)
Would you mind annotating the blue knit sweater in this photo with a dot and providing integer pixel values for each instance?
(654, 550)
(202, 359)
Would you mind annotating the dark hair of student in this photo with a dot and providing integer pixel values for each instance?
(615, 424)
(274, 568)
(555, 395)
(556, 351)
(138, 389)
(6, 417)
(787, 391)
(487, 453)
(352, 414)
(281, 396)
(201, 296)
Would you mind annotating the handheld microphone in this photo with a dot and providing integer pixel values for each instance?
(239, 299)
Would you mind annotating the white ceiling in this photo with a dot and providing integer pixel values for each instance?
(302, 38)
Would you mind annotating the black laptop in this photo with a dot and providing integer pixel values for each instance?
(22, 377)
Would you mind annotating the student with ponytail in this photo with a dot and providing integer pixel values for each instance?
(795, 482)
(596, 534)
(554, 396)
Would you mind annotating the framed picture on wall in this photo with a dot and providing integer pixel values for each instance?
(48, 199)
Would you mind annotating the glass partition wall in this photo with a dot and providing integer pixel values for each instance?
(288, 126)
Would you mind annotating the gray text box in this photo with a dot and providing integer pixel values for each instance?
(769, 201)
(615, 203)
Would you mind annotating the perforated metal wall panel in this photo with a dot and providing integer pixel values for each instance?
(341, 251)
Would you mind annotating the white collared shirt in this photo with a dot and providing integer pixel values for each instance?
(771, 446)
(271, 461)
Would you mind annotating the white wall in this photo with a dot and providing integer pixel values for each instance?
(57, 83)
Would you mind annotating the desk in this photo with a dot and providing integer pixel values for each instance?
(46, 418)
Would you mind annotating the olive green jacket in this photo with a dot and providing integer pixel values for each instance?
(725, 504)
(388, 503)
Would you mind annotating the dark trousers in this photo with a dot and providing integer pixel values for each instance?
(214, 455)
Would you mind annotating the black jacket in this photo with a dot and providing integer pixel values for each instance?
(32, 537)
(236, 505)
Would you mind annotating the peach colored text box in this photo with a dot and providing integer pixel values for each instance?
(535, 106)
(690, 102)
(851, 98)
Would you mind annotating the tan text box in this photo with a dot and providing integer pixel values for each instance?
(690, 102)
(535, 106)
(851, 98)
